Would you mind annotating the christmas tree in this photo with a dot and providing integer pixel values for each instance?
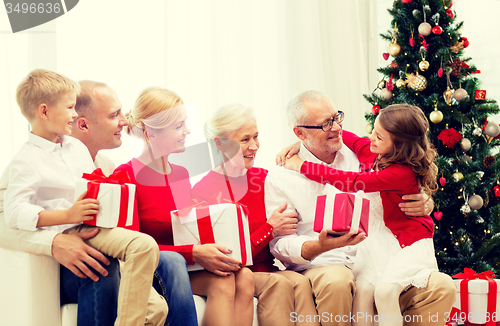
(427, 67)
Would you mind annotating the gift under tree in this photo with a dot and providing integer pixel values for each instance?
(427, 67)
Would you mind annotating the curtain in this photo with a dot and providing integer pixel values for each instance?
(211, 52)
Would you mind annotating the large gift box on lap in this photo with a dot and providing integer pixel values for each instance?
(224, 224)
(481, 293)
(341, 212)
(115, 195)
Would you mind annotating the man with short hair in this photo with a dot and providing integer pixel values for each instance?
(327, 261)
(97, 296)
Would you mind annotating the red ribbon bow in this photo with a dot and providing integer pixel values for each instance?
(468, 275)
(119, 178)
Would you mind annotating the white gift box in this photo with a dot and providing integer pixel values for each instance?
(220, 222)
(478, 301)
(111, 214)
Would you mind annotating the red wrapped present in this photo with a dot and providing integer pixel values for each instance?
(224, 224)
(478, 298)
(480, 94)
(341, 212)
(115, 194)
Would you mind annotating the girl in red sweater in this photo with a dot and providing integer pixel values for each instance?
(398, 252)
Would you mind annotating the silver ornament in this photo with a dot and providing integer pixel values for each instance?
(386, 94)
(480, 219)
(477, 132)
(467, 158)
(465, 209)
(475, 202)
(480, 174)
(492, 129)
(465, 144)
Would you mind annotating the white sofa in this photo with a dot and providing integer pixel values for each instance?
(29, 292)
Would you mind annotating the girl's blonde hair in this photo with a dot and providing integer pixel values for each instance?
(155, 108)
(408, 125)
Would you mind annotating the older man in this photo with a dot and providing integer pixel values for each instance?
(98, 126)
(325, 260)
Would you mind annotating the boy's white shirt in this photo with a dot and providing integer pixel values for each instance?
(40, 241)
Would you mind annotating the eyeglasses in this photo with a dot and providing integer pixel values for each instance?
(338, 118)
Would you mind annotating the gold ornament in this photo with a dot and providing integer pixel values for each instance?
(381, 84)
(417, 82)
(465, 144)
(457, 47)
(400, 83)
(369, 129)
(448, 94)
(436, 116)
(424, 65)
(394, 49)
(457, 176)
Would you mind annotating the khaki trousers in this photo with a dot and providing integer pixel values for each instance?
(430, 305)
(283, 296)
(139, 254)
(334, 288)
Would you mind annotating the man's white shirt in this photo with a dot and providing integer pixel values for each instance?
(287, 186)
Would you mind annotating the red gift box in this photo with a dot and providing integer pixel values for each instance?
(342, 212)
(224, 224)
(116, 196)
(478, 298)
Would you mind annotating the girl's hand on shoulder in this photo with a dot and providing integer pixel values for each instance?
(293, 163)
(214, 258)
(286, 153)
(283, 223)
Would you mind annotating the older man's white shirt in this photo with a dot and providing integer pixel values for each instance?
(287, 186)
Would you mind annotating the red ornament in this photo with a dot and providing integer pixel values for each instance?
(376, 109)
(466, 41)
(394, 65)
(442, 181)
(450, 13)
(450, 137)
(480, 95)
(437, 30)
(406, 1)
(438, 215)
(495, 192)
(412, 41)
(385, 55)
(440, 72)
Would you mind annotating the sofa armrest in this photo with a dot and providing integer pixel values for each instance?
(29, 289)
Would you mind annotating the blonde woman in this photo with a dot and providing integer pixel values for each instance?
(159, 119)
(285, 297)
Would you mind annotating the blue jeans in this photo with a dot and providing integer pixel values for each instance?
(172, 282)
(97, 301)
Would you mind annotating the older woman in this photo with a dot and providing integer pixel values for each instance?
(281, 294)
(159, 119)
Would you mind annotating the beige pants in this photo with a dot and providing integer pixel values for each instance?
(283, 296)
(334, 288)
(139, 253)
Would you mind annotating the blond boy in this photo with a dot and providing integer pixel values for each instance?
(40, 185)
